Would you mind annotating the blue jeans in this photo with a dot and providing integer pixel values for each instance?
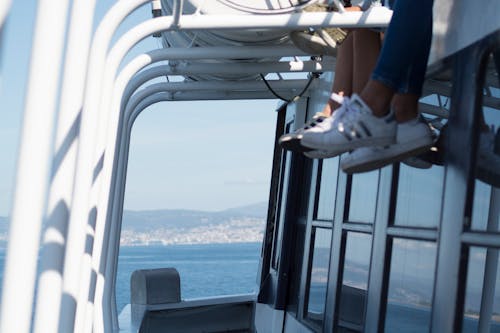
(403, 60)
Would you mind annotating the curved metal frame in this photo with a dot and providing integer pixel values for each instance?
(119, 51)
(103, 94)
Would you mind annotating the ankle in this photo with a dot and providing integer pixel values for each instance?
(405, 107)
(378, 97)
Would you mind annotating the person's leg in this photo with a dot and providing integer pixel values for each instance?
(366, 46)
(414, 135)
(364, 123)
(343, 77)
(403, 59)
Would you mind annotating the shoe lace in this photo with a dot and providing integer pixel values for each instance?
(344, 101)
(348, 116)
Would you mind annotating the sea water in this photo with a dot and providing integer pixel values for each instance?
(205, 270)
(228, 269)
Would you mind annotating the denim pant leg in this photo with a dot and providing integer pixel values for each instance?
(403, 59)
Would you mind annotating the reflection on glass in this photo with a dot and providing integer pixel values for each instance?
(482, 297)
(355, 281)
(327, 189)
(410, 286)
(363, 197)
(481, 205)
(419, 196)
(284, 175)
(319, 274)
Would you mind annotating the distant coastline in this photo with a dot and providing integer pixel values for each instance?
(244, 224)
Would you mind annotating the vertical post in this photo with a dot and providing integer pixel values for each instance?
(177, 11)
(379, 255)
(33, 167)
(4, 11)
(452, 256)
(336, 255)
(491, 266)
(81, 210)
(61, 187)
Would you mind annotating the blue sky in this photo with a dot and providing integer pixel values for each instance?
(196, 155)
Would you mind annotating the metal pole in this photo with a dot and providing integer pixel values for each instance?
(491, 266)
(54, 239)
(81, 209)
(231, 68)
(4, 11)
(177, 11)
(33, 167)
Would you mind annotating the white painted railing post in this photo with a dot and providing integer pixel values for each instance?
(81, 209)
(63, 171)
(490, 266)
(4, 11)
(29, 205)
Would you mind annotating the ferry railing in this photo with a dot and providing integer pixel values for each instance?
(214, 68)
(44, 95)
(76, 257)
(33, 167)
(4, 11)
(125, 76)
(491, 266)
(48, 300)
(190, 22)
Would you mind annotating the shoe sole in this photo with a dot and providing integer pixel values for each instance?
(348, 146)
(380, 163)
(320, 155)
(293, 144)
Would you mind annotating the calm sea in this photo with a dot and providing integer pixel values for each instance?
(228, 269)
(205, 270)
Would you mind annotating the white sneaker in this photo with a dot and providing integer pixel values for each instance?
(355, 127)
(320, 154)
(413, 137)
(291, 141)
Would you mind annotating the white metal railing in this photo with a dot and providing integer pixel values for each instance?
(4, 10)
(101, 100)
(29, 204)
(61, 187)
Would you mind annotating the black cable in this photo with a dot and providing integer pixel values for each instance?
(312, 76)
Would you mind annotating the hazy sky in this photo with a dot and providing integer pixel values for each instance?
(203, 155)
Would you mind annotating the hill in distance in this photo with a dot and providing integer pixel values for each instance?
(182, 226)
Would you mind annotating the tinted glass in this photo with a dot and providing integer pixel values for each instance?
(363, 197)
(482, 298)
(327, 189)
(419, 196)
(319, 274)
(355, 281)
(410, 286)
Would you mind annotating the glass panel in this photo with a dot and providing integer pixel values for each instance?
(284, 175)
(488, 159)
(481, 206)
(363, 197)
(327, 189)
(355, 281)
(411, 282)
(319, 274)
(482, 282)
(417, 189)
